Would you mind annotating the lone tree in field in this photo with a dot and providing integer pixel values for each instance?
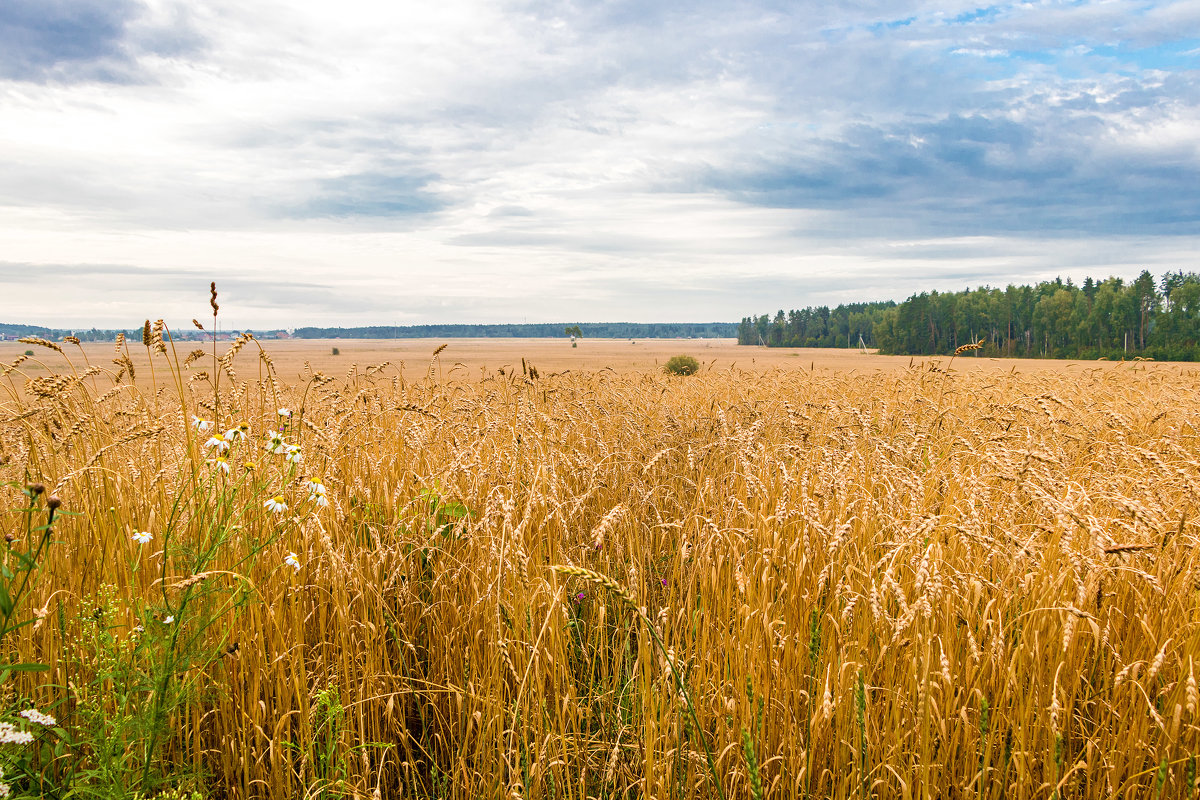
(575, 332)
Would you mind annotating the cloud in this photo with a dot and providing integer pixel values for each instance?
(87, 40)
(38, 36)
(369, 195)
(590, 160)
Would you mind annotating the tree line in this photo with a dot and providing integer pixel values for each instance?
(1112, 318)
(590, 330)
(593, 330)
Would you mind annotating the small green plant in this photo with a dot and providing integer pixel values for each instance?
(329, 765)
(860, 715)
(444, 514)
(748, 743)
(682, 365)
(337, 352)
(28, 352)
(626, 597)
(19, 566)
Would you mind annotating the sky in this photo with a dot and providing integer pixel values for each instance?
(367, 163)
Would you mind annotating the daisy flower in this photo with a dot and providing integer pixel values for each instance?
(37, 717)
(292, 561)
(284, 413)
(316, 491)
(142, 537)
(275, 444)
(233, 434)
(168, 619)
(218, 441)
(222, 463)
(202, 425)
(293, 454)
(276, 504)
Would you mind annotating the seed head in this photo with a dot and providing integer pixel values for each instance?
(37, 488)
(53, 502)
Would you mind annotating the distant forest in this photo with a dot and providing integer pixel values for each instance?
(593, 330)
(1053, 319)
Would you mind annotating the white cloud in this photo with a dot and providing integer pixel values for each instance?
(477, 161)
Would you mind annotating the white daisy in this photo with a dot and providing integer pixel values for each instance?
(320, 500)
(276, 504)
(142, 537)
(293, 454)
(292, 561)
(167, 620)
(222, 463)
(284, 413)
(275, 444)
(218, 441)
(202, 425)
(314, 486)
(233, 434)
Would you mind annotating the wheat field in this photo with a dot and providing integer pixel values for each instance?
(935, 580)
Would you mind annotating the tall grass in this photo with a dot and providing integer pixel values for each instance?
(920, 584)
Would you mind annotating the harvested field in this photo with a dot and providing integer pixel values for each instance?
(806, 574)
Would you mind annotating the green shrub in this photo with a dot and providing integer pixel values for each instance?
(682, 365)
(337, 352)
(28, 352)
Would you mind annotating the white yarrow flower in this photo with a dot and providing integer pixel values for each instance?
(10, 734)
(37, 717)
(276, 504)
(142, 537)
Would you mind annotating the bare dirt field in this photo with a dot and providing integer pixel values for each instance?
(464, 359)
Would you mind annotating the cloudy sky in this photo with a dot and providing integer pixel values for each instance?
(359, 162)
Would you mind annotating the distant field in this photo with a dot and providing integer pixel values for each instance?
(472, 358)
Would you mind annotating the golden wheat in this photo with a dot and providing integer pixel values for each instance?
(1008, 560)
